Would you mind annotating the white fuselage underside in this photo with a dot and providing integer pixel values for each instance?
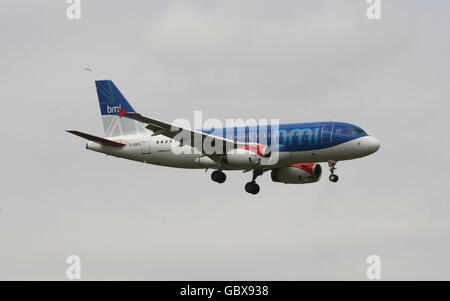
(144, 148)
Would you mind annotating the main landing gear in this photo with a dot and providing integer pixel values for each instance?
(333, 177)
(218, 176)
(252, 187)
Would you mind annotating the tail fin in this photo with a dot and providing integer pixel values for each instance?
(111, 102)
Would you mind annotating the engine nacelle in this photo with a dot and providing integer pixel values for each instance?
(301, 173)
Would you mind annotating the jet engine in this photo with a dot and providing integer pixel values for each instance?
(301, 173)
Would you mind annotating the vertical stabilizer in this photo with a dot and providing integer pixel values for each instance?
(111, 102)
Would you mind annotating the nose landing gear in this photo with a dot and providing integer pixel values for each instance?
(332, 177)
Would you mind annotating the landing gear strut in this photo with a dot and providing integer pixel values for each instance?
(252, 187)
(218, 176)
(333, 177)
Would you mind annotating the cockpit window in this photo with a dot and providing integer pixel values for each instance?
(354, 132)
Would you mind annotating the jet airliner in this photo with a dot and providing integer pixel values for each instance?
(291, 152)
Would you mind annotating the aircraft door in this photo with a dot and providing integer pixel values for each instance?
(327, 133)
(145, 145)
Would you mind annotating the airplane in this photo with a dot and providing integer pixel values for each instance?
(291, 152)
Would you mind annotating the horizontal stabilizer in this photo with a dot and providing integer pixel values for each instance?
(96, 139)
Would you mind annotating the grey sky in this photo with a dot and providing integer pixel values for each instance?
(292, 60)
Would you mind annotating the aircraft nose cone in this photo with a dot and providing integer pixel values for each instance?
(372, 144)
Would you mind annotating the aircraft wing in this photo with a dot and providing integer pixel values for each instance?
(186, 136)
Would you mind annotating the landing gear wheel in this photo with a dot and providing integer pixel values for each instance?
(252, 187)
(333, 178)
(218, 176)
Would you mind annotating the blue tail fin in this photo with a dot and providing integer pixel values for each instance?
(111, 100)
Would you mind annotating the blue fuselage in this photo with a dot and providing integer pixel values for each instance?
(294, 137)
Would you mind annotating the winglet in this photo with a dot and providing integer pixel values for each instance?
(122, 112)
